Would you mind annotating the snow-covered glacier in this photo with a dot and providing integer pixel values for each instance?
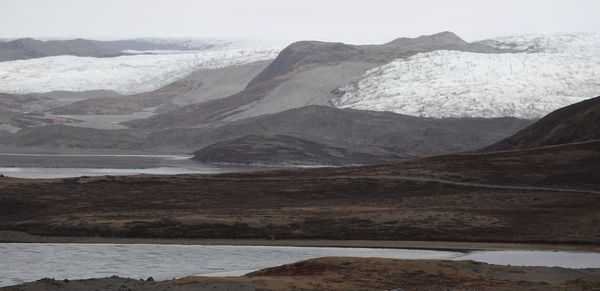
(547, 72)
(124, 74)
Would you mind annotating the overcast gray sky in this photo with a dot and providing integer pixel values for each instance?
(368, 21)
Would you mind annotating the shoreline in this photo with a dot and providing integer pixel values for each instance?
(21, 237)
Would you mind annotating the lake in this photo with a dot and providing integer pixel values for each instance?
(21, 262)
(46, 173)
(42, 166)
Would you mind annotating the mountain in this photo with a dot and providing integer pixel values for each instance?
(201, 85)
(575, 123)
(287, 149)
(305, 73)
(541, 74)
(402, 136)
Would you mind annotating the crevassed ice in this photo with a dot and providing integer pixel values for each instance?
(125, 74)
(556, 42)
(556, 70)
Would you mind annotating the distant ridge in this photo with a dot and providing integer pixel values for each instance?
(29, 48)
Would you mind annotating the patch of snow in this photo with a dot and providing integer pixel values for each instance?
(552, 71)
(539, 42)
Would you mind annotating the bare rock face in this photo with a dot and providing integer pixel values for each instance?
(575, 123)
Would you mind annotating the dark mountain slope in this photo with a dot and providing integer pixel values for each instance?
(574, 123)
(403, 135)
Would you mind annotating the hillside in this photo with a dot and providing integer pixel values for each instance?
(575, 123)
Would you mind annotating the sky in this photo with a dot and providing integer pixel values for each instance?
(352, 21)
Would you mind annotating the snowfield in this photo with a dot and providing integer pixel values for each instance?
(125, 74)
(550, 72)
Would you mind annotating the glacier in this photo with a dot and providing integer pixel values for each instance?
(124, 74)
(546, 72)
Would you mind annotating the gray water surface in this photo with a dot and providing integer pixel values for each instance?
(49, 173)
(21, 263)
(43, 166)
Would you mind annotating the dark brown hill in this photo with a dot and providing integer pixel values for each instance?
(574, 123)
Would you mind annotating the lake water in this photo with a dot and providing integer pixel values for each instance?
(44, 166)
(28, 262)
(46, 173)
